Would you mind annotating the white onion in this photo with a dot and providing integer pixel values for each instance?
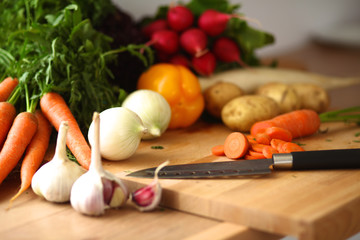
(152, 108)
(121, 133)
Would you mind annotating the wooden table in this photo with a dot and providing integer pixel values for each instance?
(203, 209)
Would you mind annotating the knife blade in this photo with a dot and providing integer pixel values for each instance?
(307, 160)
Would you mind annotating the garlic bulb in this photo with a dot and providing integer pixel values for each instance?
(53, 181)
(148, 197)
(152, 108)
(97, 189)
(121, 132)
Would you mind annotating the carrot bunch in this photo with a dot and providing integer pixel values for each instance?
(25, 135)
(271, 136)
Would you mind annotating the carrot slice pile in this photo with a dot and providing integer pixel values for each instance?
(264, 144)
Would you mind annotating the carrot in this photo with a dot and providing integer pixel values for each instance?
(218, 150)
(278, 133)
(251, 157)
(236, 145)
(268, 151)
(277, 144)
(7, 86)
(35, 153)
(291, 147)
(7, 115)
(20, 134)
(257, 147)
(262, 138)
(256, 154)
(251, 139)
(56, 110)
(299, 123)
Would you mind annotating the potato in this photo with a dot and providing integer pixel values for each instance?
(283, 94)
(242, 112)
(218, 94)
(312, 96)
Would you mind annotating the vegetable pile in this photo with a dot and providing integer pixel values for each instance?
(54, 46)
(205, 36)
(56, 67)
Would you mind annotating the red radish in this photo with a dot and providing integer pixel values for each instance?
(213, 22)
(226, 50)
(180, 18)
(154, 26)
(194, 41)
(180, 60)
(205, 64)
(166, 41)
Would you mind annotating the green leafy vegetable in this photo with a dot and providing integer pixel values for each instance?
(347, 115)
(52, 45)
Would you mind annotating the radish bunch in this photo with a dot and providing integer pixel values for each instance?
(198, 43)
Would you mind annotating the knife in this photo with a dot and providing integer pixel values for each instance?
(306, 160)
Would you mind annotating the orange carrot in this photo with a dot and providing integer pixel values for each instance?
(7, 115)
(236, 145)
(251, 139)
(299, 123)
(251, 157)
(56, 110)
(258, 147)
(218, 150)
(20, 134)
(268, 151)
(262, 138)
(7, 86)
(35, 153)
(256, 154)
(291, 147)
(278, 133)
(277, 144)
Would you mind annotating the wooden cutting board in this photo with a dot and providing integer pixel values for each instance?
(323, 204)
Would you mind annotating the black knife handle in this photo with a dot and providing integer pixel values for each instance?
(326, 159)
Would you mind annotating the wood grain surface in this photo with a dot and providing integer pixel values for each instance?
(298, 203)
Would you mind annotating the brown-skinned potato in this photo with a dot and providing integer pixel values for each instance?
(218, 94)
(242, 112)
(312, 96)
(284, 94)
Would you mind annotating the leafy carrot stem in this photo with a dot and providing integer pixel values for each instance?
(351, 114)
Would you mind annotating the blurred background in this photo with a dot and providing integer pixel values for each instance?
(292, 22)
(320, 36)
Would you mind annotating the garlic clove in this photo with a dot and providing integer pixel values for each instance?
(148, 198)
(97, 189)
(53, 181)
(87, 195)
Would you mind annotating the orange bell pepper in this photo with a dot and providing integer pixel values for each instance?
(180, 87)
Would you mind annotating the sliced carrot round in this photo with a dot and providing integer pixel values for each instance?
(291, 147)
(262, 138)
(218, 150)
(236, 145)
(279, 133)
(269, 151)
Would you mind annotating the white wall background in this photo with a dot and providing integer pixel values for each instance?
(292, 22)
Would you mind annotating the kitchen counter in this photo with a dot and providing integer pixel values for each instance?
(327, 206)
